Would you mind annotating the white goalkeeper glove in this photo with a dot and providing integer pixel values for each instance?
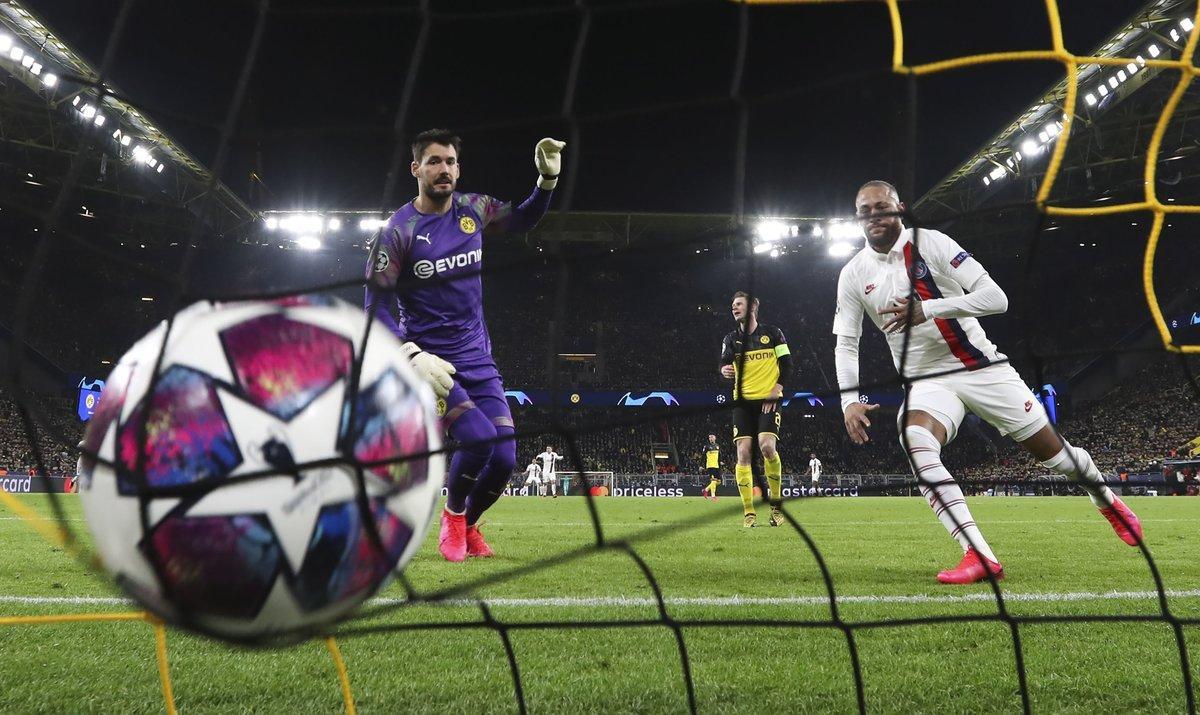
(547, 157)
(430, 368)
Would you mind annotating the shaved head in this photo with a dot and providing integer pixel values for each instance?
(881, 184)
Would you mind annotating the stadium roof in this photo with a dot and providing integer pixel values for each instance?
(1117, 108)
(56, 105)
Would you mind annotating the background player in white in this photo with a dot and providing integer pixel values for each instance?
(814, 468)
(938, 308)
(549, 459)
(533, 476)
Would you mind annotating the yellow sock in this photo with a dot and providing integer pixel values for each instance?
(712, 487)
(745, 484)
(773, 468)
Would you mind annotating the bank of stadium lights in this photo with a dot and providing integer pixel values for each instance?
(772, 230)
(28, 60)
(308, 243)
(31, 62)
(372, 224)
(841, 231)
(841, 249)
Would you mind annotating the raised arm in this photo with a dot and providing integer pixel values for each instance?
(503, 217)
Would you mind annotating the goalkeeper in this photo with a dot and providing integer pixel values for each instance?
(424, 283)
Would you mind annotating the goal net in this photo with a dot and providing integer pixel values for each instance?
(150, 251)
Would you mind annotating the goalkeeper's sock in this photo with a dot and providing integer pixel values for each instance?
(494, 477)
(1076, 463)
(474, 433)
(745, 485)
(943, 494)
(773, 468)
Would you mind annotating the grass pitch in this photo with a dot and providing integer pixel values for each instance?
(1060, 555)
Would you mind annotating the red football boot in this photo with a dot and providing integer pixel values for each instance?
(971, 569)
(1131, 535)
(476, 546)
(452, 541)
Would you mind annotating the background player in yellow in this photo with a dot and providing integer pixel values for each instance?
(712, 465)
(757, 359)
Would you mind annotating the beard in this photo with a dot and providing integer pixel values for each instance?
(890, 233)
(433, 191)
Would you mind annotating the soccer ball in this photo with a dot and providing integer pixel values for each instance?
(261, 501)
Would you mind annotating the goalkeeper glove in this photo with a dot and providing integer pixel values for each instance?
(547, 157)
(430, 368)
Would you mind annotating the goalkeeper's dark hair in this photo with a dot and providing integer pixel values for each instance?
(743, 294)
(422, 141)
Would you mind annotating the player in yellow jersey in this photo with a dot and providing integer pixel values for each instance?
(757, 359)
(712, 464)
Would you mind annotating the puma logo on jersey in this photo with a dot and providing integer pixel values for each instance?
(424, 238)
(870, 287)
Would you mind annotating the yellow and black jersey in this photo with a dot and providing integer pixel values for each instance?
(712, 456)
(767, 361)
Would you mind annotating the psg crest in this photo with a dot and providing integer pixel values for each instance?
(920, 270)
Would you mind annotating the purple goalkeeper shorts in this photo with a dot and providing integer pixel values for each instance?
(479, 385)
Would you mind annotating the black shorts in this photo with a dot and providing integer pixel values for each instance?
(714, 473)
(749, 420)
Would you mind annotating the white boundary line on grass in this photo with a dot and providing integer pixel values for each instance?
(638, 601)
(919, 521)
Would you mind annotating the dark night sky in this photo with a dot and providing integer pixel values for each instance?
(318, 119)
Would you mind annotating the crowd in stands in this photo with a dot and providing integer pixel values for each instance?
(1131, 429)
(15, 453)
(657, 323)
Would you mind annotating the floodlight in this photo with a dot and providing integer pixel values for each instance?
(841, 249)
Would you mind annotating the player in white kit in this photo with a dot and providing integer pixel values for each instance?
(814, 468)
(953, 365)
(533, 476)
(549, 459)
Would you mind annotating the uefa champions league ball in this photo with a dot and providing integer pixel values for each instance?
(257, 487)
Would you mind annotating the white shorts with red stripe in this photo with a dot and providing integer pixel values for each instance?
(996, 393)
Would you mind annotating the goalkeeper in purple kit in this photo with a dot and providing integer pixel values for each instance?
(424, 283)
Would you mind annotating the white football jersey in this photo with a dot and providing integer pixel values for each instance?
(815, 465)
(941, 269)
(532, 470)
(548, 459)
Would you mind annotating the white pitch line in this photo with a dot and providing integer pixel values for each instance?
(732, 601)
(921, 521)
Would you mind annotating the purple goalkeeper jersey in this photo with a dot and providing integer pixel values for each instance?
(425, 282)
